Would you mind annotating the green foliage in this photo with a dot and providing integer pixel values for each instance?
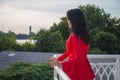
(18, 47)
(1, 33)
(27, 71)
(27, 46)
(47, 41)
(96, 51)
(99, 21)
(114, 27)
(106, 42)
(62, 27)
(7, 42)
(20, 36)
(95, 17)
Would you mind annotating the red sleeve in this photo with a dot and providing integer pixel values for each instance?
(63, 56)
(78, 48)
(66, 53)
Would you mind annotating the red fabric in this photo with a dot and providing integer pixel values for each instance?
(77, 66)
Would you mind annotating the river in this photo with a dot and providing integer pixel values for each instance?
(21, 41)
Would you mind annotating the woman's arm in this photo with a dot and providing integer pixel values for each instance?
(63, 56)
(78, 49)
(66, 53)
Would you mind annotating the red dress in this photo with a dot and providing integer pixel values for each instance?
(77, 66)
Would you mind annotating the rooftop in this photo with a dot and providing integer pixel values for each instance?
(8, 57)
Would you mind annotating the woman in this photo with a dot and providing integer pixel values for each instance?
(77, 66)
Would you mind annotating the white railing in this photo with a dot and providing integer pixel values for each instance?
(60, 72)
(105, 67)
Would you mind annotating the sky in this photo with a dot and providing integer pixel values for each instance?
(18, 15)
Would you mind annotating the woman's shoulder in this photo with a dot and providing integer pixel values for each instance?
(73, 36)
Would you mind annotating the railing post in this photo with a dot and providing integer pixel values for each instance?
(117, 69)
(55, 75)
(58, 71)
(62, 75)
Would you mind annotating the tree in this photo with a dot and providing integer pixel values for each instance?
(62, 27)
(95, 17)
(106, 42)
(114, 27)
(47, 41)
(97, 51)
(98, 20)
(7, 42)
(1, 33)
(27, 46)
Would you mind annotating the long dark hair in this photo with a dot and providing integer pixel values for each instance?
(79, 27)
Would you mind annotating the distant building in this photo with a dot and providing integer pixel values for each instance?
(30, 30)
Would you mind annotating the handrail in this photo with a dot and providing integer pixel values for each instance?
(102, 56)
(61, 73)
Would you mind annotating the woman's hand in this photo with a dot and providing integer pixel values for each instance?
(54, 62)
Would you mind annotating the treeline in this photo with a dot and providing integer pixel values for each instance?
(19, 36)
(8, 43)
(104, 31)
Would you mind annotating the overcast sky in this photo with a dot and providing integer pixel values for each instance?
(18, 15)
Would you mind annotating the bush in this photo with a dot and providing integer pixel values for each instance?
(106, 42)
(47, 41)
(27, 71)
(7, 42)
(96, 51)
(27, 46)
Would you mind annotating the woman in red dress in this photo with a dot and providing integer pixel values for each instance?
(77, 66)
